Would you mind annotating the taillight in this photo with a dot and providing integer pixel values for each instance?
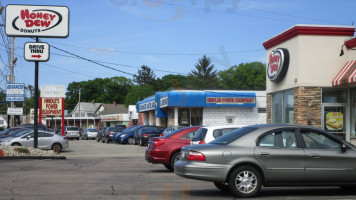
(144, 135)
(159, 142)
(110, 133)
(64, 138)
(65, 132)
(201, 142)
(197, 156)
(160, 135)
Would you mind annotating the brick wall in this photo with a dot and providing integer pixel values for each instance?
(242, 115)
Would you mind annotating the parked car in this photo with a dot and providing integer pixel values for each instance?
(171, 129)
(121, 125)
(207, 134)
(31, 126)
(109, 133)
(100, 134)
(127, 137)
(166, 149)
(9, 130)
(46, 140)
(89, 133)
(15, 133)
(116, 136)
(270, 154)
(72, 132)
(142, 135)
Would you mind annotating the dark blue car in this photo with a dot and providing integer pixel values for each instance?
(127, 136)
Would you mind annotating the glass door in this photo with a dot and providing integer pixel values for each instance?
(334, 118)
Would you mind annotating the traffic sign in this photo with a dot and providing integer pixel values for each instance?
(36, 52)
(37, 21)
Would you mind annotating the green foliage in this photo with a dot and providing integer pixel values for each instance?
(100, 90)
(145, 76)
(138, 93)
(204, 76)
(246, 76)
(22, 150)
(171, 81)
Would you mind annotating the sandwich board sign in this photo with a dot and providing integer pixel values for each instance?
(37, 21)
(36, 51)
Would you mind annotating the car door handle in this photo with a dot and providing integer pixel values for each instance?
(264, 154)
(314, 156)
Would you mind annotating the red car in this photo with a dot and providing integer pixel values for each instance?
(166, 149)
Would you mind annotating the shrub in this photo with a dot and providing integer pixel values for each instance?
(22, 150)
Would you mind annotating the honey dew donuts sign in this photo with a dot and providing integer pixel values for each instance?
(278, 64)
(37, 21)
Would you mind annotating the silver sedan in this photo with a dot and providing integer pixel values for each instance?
(243, 160)
(46, 140)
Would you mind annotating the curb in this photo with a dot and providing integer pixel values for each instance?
(33, 158)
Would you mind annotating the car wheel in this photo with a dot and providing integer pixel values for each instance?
(130, 140)
(86, 138)
(168, 166)
(134, 141)
(222, 186)
(107, 141)
(57, 148)
(174, 158)
(141, 142)
(245, 182)
(102, 140)
(97, 139)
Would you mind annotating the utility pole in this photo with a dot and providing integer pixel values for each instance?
(80, 119)
(12, 79)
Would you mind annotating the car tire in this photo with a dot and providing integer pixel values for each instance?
(168, 166)
(174, 158)
(102, 139)
(245, 182)
(107, 141)
(222, 186)
(97, 139)
(130, 140)
(141, 142)
(56, 147)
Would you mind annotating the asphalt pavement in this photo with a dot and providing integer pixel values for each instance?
(95, 170)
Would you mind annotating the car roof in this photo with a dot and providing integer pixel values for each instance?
(224, 126)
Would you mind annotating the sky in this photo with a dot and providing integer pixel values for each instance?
(169, 36)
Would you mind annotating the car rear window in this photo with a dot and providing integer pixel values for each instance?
(233, 135)
(116, 129)
(72, 128)
(200, 134)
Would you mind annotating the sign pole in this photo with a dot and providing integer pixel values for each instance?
(35, 143)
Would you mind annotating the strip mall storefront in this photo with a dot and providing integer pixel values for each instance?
(196, 107)
(311, 78)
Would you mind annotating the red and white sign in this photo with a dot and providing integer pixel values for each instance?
(278, 64)
(36, 51)
(51, 106)
(37, 21)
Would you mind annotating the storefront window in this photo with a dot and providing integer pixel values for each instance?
(196, 116)
(184, 116)
(334, 96)
(283, 107)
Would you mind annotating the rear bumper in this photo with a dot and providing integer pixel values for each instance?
(157, 157)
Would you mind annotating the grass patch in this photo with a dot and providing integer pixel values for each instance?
(22, 150)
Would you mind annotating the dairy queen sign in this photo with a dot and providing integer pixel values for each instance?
(37, 21)
(278, 65)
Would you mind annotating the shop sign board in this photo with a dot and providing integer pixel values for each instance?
(163, 102)
(51, 106)
(15, 92)
(36, 52)
(278, 64)
(146, 106)
(15, 111)
(231, 100)
(53, 91)
(37, 21)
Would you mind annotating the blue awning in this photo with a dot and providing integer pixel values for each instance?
(146, 104)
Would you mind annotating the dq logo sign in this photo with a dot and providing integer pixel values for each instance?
(278, 65)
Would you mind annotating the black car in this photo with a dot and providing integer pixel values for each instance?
(109, 132)
(142, 135)
(100, 134)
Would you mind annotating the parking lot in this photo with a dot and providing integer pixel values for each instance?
(95, 170)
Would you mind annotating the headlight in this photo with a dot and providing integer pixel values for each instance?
(123, 135)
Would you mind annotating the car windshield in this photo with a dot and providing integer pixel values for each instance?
(116, 129)
(132, 128)
(72, 128)
(233, 135)
(21, 133)
(200, 134)
(92, 130)
(173, 132)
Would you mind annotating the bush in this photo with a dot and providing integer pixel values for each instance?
(22, 150)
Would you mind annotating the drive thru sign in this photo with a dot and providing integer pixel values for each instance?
(36, 51)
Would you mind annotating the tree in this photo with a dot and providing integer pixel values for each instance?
(204, 76)
(145, 76)
(246, 76)
(171, 81)
(29, 99)
(138, 93)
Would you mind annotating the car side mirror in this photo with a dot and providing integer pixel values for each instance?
(343, 147)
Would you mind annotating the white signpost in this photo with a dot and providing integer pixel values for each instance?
(53, 90)
(15, 111)
(37, 21)
(15, 92)
(36, 52)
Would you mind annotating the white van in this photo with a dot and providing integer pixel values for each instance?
(207, 134)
